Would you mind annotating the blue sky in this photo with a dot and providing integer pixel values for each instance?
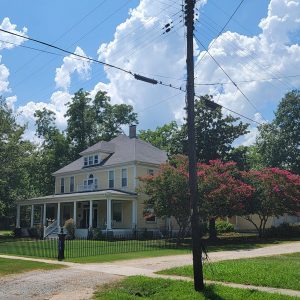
(247, 50)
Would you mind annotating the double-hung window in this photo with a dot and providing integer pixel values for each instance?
(86, 163)
(91, 160)
(111, 179)
(150, 172)
(96, 159)
(124, 178)
(72, 184)
(62, 185)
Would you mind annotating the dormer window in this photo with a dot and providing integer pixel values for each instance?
(91, 160)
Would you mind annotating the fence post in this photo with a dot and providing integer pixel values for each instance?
(61, 244)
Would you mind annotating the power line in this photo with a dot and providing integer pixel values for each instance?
(249, 101)
(222, 29)
(63, 34)
(66, 51)
(249, 81)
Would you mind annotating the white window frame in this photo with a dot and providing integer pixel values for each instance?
(85, 161)
(95, 178)
(91, 160)
(98, 160)
(62, 185)
(114, 178)
(155, 220)
(73, 184)
(124, 186)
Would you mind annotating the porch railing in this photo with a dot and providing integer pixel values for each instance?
(87, 188)
(48, 230)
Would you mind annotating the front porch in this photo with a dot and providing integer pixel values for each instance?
(108, 210)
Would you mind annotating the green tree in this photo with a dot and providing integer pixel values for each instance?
(54, 153)
(16, 162)
(164, 137)
(276, 192)
(168, 193)
(279, 142)
(90, 121)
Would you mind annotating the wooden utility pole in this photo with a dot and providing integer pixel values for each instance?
(190, 95)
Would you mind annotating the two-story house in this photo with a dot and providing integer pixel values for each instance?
(99, 190)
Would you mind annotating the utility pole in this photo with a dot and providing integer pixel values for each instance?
(190, 95)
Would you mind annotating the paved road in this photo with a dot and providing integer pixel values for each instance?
(78, 281)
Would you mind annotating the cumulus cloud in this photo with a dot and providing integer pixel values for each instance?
(4, 71)
(15, 40)
(4, 74)
(57, 104)
(72, 64)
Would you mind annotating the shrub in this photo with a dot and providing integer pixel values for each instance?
(35, 232)
(70, 227)
(96, 234)
(17, 233)
(224, 226)
(283, 230)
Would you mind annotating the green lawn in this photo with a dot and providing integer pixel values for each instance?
(84, 251)
(5, 233)
(12, 266)
(281, 271)
(139, 287)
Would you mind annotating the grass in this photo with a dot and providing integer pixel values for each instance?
(280, 271)
(103, 251)
(13, 266)
(139, 287)
(5, 233)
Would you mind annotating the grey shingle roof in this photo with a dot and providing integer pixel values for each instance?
(125, 150)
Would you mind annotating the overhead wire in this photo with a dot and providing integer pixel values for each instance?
(250, 54)
(229, 77)
(63, 34)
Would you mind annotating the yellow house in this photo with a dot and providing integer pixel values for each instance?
(99, 190)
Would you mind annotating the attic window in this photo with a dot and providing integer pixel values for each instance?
(91, 160)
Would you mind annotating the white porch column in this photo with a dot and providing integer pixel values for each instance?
(108, 214)
(75, 213)
(58, 215)
(134, 213)
(32, 215)
(44, 214)
(18, 216)
(91, 214)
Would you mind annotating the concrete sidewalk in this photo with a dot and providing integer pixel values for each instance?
(87, 277)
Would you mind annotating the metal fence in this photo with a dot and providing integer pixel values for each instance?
(83, 247)
(29, 247)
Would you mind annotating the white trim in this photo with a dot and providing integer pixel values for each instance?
(97, 167)
(134, 178)
(125, 186)
(74, 185)
(108, 214)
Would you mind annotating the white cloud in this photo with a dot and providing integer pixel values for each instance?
(57, 104)
(10, 101)
(72, 64)
(7, 25)
(4, 74)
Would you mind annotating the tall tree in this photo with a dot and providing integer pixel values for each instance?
(279, 142)
(54, 153)
(15, 153)
(90, 121)
(164, 137)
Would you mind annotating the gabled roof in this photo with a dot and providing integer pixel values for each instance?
(102, 146)
(125, 150)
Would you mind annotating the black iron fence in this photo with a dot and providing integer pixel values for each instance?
(91, 246)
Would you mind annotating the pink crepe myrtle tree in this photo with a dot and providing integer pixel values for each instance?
(169, 193)
(276, 192)
(222, 193)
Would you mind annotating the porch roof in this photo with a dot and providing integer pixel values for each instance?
(81, 196)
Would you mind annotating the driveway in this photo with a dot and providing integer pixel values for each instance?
(79, 281)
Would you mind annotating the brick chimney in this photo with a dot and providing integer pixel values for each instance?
(132, 131)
